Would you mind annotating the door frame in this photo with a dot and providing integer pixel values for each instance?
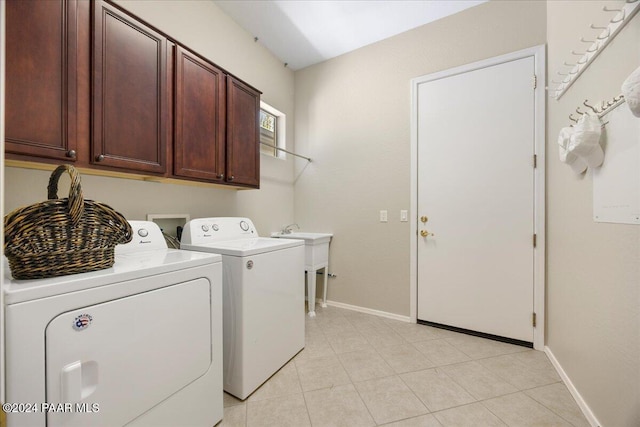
(539, 268)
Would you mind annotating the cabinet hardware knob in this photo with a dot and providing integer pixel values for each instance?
(220, 176)
(231, 178)
(100, 158)
(71, 154)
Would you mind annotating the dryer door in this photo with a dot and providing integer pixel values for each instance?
(106, 364)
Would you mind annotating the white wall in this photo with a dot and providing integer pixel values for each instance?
(203, 27)
(593, 269)
(352, 118)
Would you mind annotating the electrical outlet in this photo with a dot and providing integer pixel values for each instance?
(383, 216)
(404, 216)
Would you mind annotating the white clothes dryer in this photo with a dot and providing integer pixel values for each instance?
(137, 344)
(263, 298)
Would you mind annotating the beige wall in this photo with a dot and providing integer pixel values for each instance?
(352, 118)
(593, 269)
(202, 26)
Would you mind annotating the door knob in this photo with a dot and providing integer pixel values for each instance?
(424, 219)
(425, 233)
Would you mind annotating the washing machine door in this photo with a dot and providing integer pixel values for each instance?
(106, 364)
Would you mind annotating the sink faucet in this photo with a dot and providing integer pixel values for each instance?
(287, 228)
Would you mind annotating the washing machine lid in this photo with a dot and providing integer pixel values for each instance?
(244, 247)
(126, 267)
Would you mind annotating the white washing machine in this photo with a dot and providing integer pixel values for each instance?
(138, 344)
(263, 298)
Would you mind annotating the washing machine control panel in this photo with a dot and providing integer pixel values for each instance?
(204, 230)
(146, 236)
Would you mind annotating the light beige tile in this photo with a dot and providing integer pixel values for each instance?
(382, 339)
(404, 358)
(321, 372)
(413, 332)
(315, 348)
(474, 415)
(557, 398)
(436, 390)
(339, 406)
(281, 411)
(421, 421)
(335, 324)
(230, 400)
(330, 311)
(282, 383)
(440, 352)
(389, 399)
(365, 365)
(539, 361)
(347, 341)
(234, 416)
(520, 410)
(522, 372)
(480, 348)
(478, 381)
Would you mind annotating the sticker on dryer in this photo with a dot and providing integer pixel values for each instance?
(82, 322)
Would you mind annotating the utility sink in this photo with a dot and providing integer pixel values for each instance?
(316, 257)
(316, 246)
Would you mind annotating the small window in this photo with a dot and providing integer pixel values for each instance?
(272, 130)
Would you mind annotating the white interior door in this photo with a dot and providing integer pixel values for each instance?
(476, 186)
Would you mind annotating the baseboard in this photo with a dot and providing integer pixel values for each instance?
(368, 311)
(588, 413)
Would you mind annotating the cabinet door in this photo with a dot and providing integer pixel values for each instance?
(243, 153)
(41, 78)
(199, 144)
(130, 96)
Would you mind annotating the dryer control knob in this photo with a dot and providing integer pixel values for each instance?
(244, 225)
(143, 232)
(215, 227)
(205, 227)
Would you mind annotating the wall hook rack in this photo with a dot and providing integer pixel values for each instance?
(619, 20)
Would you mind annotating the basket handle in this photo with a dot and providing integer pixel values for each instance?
(76, 201)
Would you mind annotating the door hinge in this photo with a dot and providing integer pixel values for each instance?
(535, 161)
(535, 240)
(533, 320)
(535, 81)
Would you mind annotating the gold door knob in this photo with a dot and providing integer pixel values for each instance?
(424, 219)
(425, 233)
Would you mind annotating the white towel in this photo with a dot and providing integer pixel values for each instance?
(585, 140)
(577, 164)
(631, 92)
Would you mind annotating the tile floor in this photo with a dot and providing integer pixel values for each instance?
(362, 370)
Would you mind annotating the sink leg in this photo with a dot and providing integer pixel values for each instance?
(324, 290)
(311, 291)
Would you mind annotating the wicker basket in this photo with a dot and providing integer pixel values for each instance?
(63, 236)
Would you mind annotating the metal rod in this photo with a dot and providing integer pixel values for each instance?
(286, 151)
(611, 106)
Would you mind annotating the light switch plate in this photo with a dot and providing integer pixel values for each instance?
(383, 216)
(404, 216)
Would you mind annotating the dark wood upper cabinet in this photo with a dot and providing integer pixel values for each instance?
(243, 154)
(129, 92)
(199, 114)
(41, 105)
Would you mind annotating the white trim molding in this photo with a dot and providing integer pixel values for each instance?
(539, 55)
(586, 410)
(367, 310)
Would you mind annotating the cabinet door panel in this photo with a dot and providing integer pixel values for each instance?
(41, 85)
(199, 145)
(243, 154)
(129, 92)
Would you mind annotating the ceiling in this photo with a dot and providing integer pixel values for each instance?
(304, 32)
